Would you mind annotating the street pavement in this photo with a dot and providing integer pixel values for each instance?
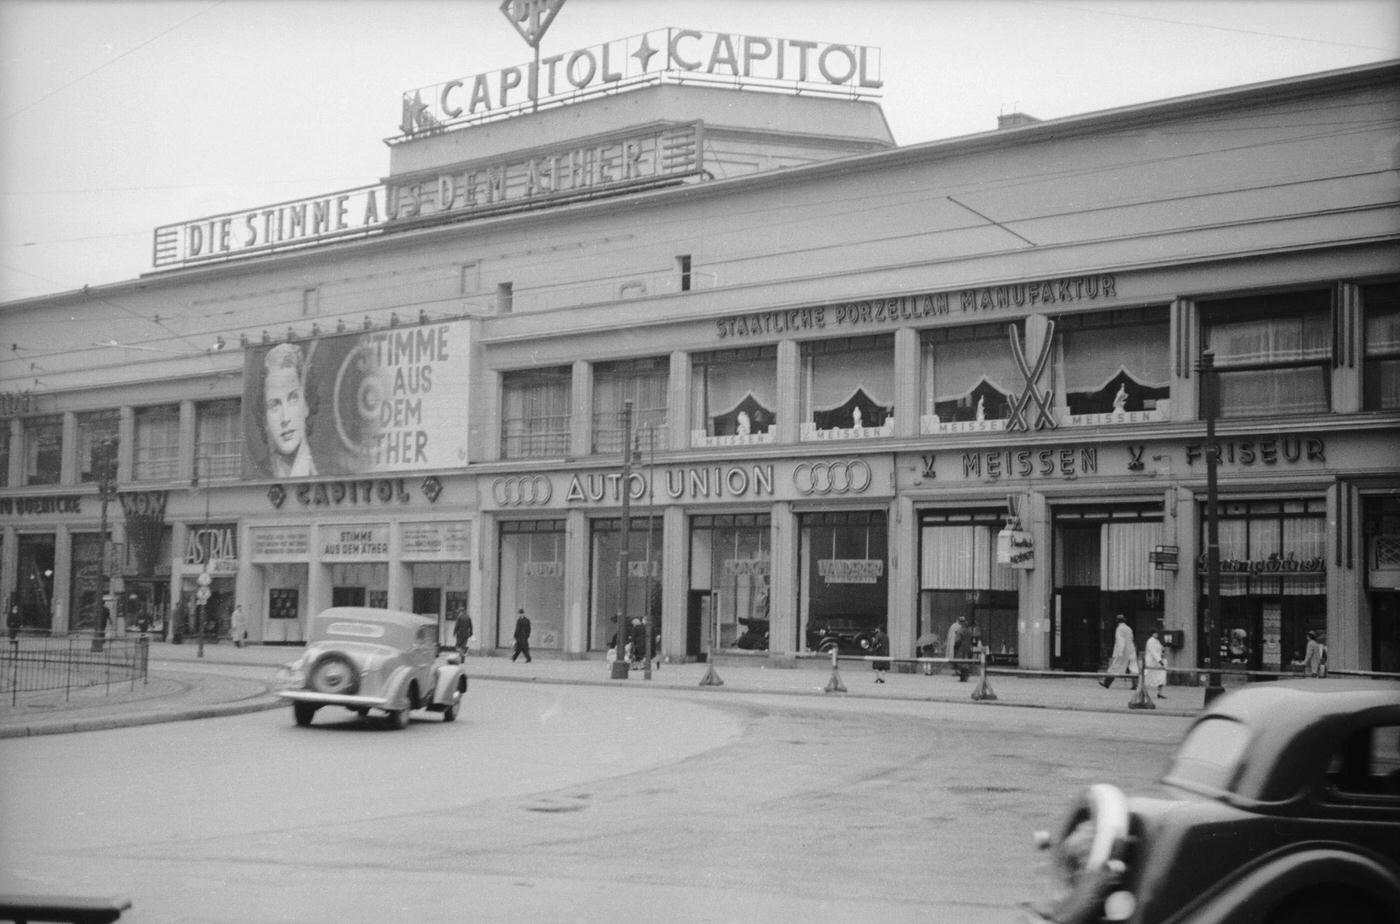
(229, 680)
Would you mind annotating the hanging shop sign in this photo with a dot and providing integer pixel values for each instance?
(1016, 548)
(647, 59)
(1164, 557)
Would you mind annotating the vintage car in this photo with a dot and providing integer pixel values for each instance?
(846, 636)
(364, 658)
(1281, 804)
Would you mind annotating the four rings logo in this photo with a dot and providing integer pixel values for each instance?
(851, 476)
(521, 491)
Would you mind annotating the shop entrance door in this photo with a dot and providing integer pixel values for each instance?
(699, 626)
(1385, 631)
(347, 596)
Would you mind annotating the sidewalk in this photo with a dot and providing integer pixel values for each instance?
(229, 681)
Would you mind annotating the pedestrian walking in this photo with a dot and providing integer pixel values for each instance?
(1154, 664)
(522, 637)
(237, 630)
(879, 645)
(958, 641)
(1315, 657)
(1124, 660)
(464, 632)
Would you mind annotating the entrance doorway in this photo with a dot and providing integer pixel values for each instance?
(699, 624)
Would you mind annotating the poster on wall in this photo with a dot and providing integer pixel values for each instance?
(282, 603)
(387, 400)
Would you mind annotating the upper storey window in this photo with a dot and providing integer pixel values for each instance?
(969, 375)
(1381, 389)
(157, 443)
(43, 450)
(734, 395)
(535, 410)
(1273, 353)
(97, 442)
(1115, 361)
(644, 383)
(848, 387)
(219, 439)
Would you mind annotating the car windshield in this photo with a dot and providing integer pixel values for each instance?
(1210, 754)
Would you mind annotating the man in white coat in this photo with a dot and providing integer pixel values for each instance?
(1124, 655)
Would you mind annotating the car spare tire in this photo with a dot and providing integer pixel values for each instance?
(335, 674)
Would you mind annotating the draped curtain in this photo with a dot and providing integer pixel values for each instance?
(720, 386)
(832, 378)
(959, 366)
(1124, 550)
(1091, 358)
(962, 557)
(157, 443)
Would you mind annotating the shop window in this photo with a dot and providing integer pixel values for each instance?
(643, 582)
(1114, 361)
(97, 445)
(535, 413)
(731, 563)
(734, 393)
(848, 384)
(968, 374)
(1381, 387)
(34, 583)
(1273, 353)
(843, 580)
(644, 383)
(959, 577)
(219, 438)
(4, 454)
(1381, 529)
(1273, 581)
(531, 569)
(43, 450)
(85, 584)
(157, 456)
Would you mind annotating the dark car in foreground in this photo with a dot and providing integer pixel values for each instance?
(1281, 805)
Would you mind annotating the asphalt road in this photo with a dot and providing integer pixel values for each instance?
(565, 803)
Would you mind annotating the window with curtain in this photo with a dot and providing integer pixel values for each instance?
(1273, 353)
(728, 383)
(848, 382)
(1110, 358)
(535, 411)
(157, 448)
(43, 450)
(93, 429)
(1124, 550)
(1381, 386)
(966, 368)
(4, 455)
(644, 383)
(219, 438)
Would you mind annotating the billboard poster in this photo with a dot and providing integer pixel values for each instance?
(374, 401)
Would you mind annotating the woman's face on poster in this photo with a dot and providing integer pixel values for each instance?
(285, 410)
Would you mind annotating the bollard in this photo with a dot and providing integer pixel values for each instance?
(834, 685)
(983, 690)
(711, 678)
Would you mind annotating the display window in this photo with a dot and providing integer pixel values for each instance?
(1381, 307)
(969, 373)
(532, 571)
(1114, 361)
(735, 392)
(730, 582)
(1273, 582)
(360, 584)
(43, 450)
(638, 595)
(959, 577)
(1381, 528)
(843, 580)
(85, 586)
(34, 583)
(847, 384)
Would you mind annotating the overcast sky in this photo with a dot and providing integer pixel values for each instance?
(117, 117)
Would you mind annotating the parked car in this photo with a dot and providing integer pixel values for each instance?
(1281, 805)
(364, 658)
(755, 637)
(847, 636)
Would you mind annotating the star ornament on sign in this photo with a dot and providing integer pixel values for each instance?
(531, 18)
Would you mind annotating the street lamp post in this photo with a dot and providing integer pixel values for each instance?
(1209, 387)
(620, 666)
(107, 489)
(201, 594)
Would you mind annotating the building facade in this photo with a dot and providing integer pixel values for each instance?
(736, 364)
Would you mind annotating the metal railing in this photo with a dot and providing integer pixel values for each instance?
(40, 665)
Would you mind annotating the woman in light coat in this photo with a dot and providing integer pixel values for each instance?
(1154, 665)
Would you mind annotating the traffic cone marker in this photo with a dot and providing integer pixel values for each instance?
(711, 678)
(983, 690)
(834, 685)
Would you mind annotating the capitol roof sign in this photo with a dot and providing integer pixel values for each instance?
(661, 55)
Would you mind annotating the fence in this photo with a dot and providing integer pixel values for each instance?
(34, 665)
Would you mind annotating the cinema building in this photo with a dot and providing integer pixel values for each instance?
(732, 360)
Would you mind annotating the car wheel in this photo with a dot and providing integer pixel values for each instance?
(334, 673)
(450, 713)
(398, 718)
(303, 713)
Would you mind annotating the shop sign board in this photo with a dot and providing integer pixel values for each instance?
(355, 542)
(1016, 548)
(851, 570)
(377, 401)
(40, 506)
(215, 544)
(435, 541)
(649, 58)
(273, 544)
